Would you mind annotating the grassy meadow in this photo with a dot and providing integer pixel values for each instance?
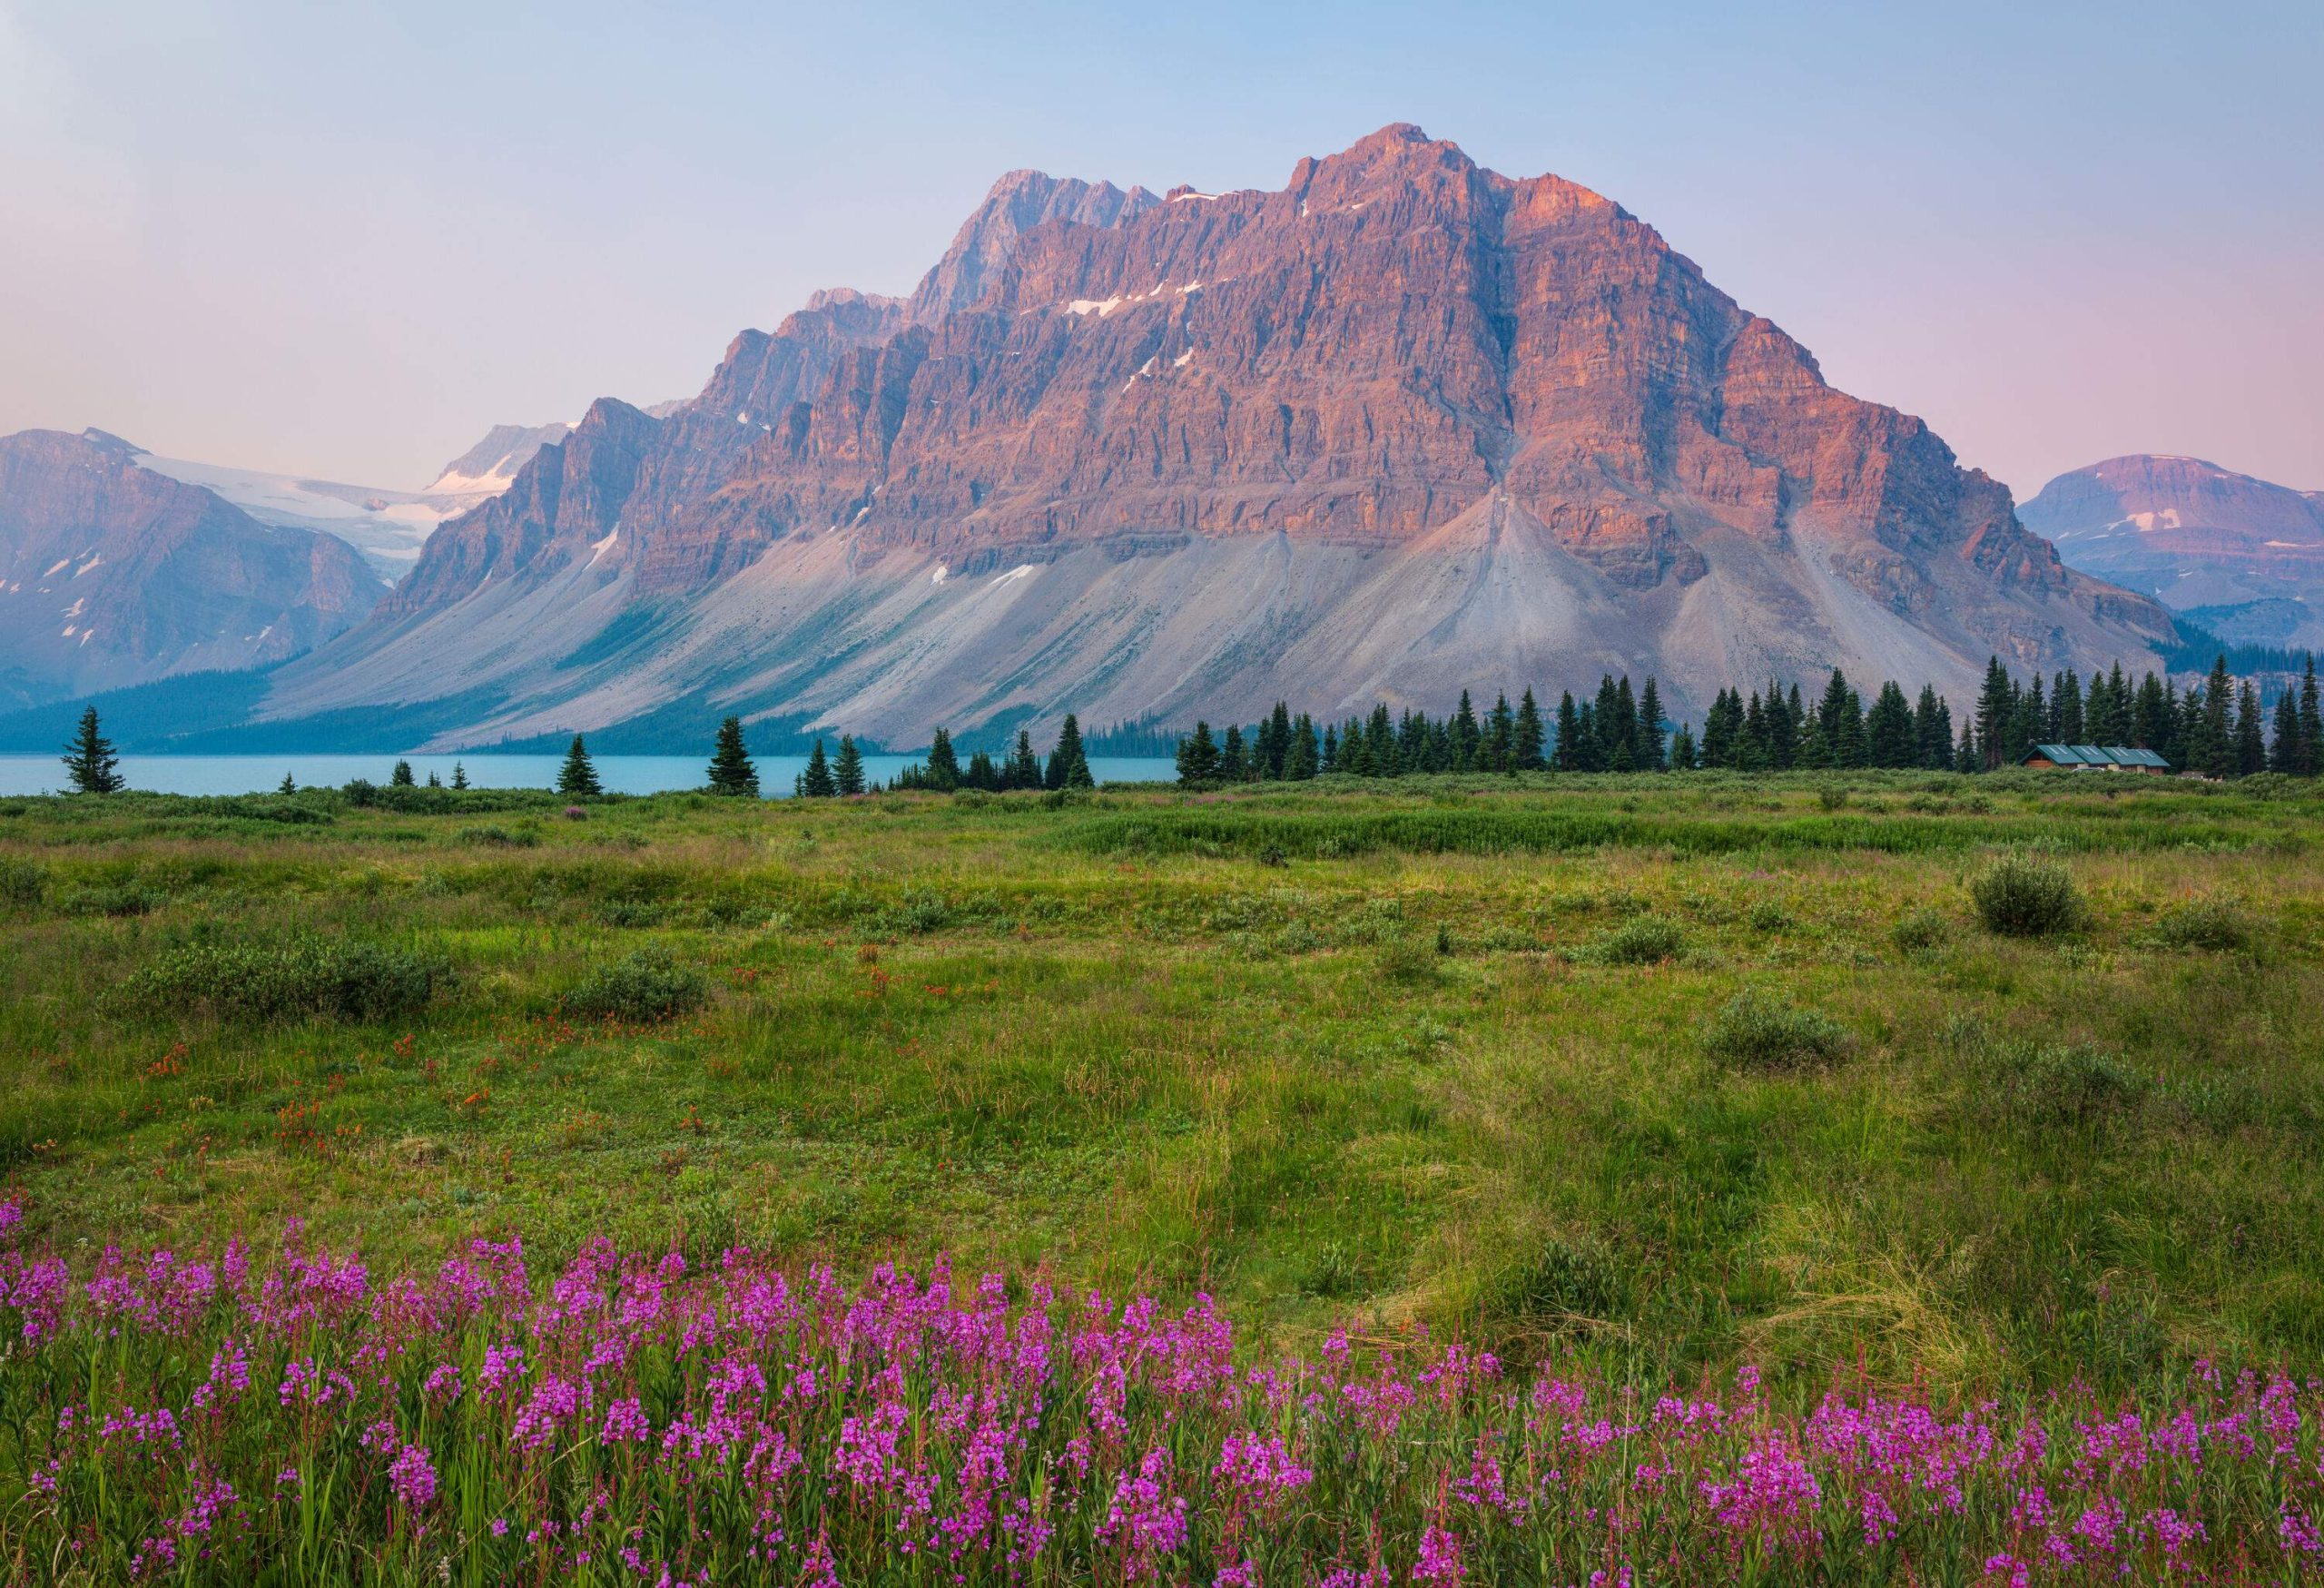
(1668, 1073)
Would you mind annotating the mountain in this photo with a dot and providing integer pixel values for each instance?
(112, 574)
(489, 467)
(1402, 426)
(388, 526)
(2240, 557)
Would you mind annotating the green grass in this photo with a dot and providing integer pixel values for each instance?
(1434, 1050)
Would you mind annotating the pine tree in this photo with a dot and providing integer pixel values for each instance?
(1721, 727)
(1682, 749)
(816, 783)
(577, 778)
(1933, 727)
(1970, 757)
(1330, 760)
(1198, 758)
(1617, 727)
(847, 773)
(1531, 737)
(2251, 738)
(1301, 760)
(2311, 729)
(1784, 719)
(434, 781)
(1752, 751)
(1995, 702)
(2216, 751)
(2284, 755)
(402, 776)
(2067, 717)
(1649, 727)
(1233, 765)
(943, 772)
(1567, 754)
(288, 786)
(1068, 767)
(459, 775)
(1501, 737)
(981, 773)
(1890, 737)
(731, 770)
(1023, 767)
(2151, 724)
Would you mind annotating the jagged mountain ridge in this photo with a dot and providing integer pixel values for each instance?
(1403, 425)
(2248, 553)
(112, 574)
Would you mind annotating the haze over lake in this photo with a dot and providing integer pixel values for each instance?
(636, 774)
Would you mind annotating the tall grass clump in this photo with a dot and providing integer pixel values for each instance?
(24, 883)
(301, 977)
(226, 1419)
(1643, 940)
(2207, 923)
(1759, 1031)
(643, 988)
(2026, 895)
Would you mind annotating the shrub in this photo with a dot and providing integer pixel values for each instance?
(1336, 1271)
(127, 898)
(1920, 933)
(500, 837)
(2053, 1086)
(1769, 915)
(304, 976)
(1565, 1279)
(2207, 923)
(1759, 1031)
(23, 884)
(2026, 895)
(1643, 940)
(1408, 957)
(646, 987)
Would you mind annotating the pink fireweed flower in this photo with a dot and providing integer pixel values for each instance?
(1439, 1565)
(1259, 1465)
(1772, 1497)
(412, 1477)
(625, 1424)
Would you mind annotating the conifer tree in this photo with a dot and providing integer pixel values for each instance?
(89, 759)
(1721, 727)
(1531, 735)
(2213, 749)
(1301, 760)
(434, 781)
(402, 776)
(1501, 737)
(816, 783)
(1567, 755)
(288, 785)
(2152, 724)
(1329, 761)
(1891, 736)
(1232, 763)
(1969, 757)
(1783, 720)
(459, 775)
(2250, 739)
(1198, 758)
(577, 778)
(1068, 767)
(1752, 751)
(2068, 720)
(731, 770)
(2284, 754)
(2311, 727)
(1277, 750)
(1618, 728)
(1462, 730)
(943, 772)
(1683, 748)
(981, 773)
(847, 772)
(1933, 730)
(1995, 702)
(1023, 769)
(1649, 727)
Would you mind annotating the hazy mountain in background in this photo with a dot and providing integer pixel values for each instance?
(112, 574)
(2242, 557)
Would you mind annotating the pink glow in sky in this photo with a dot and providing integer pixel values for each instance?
(343, 240)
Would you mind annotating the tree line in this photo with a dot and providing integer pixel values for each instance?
(2216, 726)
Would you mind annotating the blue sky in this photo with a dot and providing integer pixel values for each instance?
(342, 239)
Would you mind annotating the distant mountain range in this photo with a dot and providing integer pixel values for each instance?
(1402, 426)
(2240, 556)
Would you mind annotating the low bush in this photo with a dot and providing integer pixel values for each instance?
(1563, 1281)
(2052, 1086)
(1920, 933)
(125, 898)
(305, 977)
(1643, 940)
(2207, 923)
(24, 883)
(500, 837)
(1758, 1031)
(644, 989)
(1769, 915)
(2026, 895)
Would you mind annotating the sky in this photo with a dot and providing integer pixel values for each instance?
(343, 239)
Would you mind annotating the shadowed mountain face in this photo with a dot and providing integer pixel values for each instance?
(1402, 426)
(2243, 557)
(112, 574)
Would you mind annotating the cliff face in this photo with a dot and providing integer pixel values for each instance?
(112, 574)
(1512, 393)
(2242, 557)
